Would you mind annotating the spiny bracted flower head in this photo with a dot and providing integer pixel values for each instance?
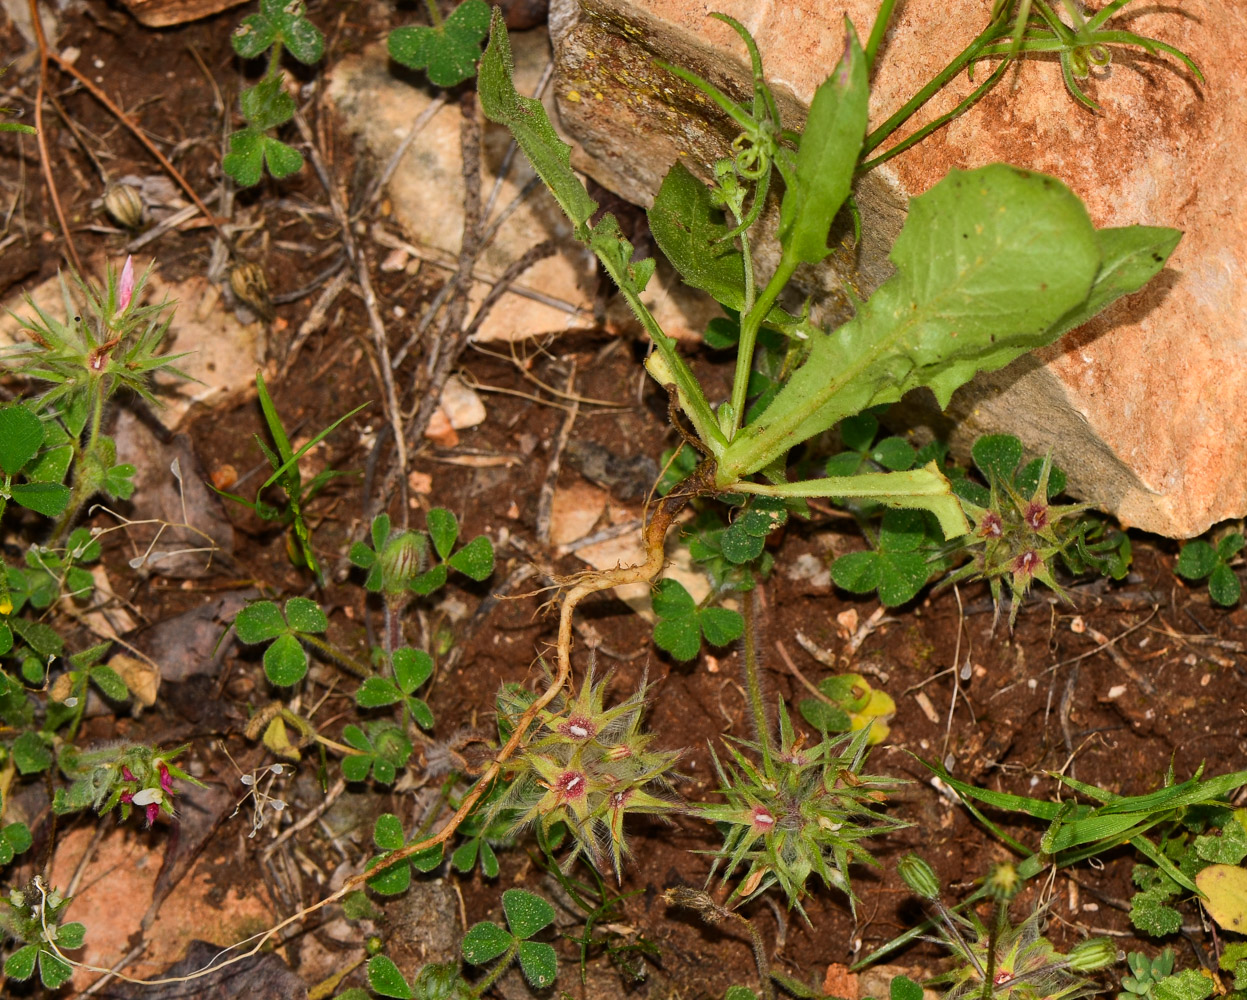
(586, 766)
(128, 776)
(105, 342)
(1017, 535)
(796, 811)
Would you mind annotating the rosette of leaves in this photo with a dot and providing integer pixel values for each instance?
(795, 811)
(1202, 560)
(1145, 974)
(682, 623)
(397, 561)
(32, 916)
(448, 48)
(279, 26)
(587, 767)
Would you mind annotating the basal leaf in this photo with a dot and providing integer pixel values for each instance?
(528, 122)
(385, 979)
(827, 156)
(987, 262)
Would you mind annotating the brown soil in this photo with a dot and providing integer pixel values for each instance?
(1043, 699)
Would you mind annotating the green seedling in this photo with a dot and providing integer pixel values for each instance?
(682, 624)
(286, 474)
(279, 26)
(1145, 974)
(398, 561)
(485, 943)
(847, 703)
(32, 915)
(997, 958)
(107, 344)
(447, 49)
(412, 668)
(1201, 560)
(380, 747)
(1014, 249)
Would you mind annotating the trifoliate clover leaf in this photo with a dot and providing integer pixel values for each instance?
(526, 913)
(681, 624)
(279, 21)
(484, 942)
(447, 52)
(250, 149)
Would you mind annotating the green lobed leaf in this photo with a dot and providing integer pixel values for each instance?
(987, 261)
(387, 833)
(739, 546)
(681, 637)
(824, 717)
(443, 529)
(901, 576)
(48, 499)
(384, 978)
(448, 52)
(904, 988)
(70, 936)
(30, 753)
(476, 559)
(1196, 560)
(376, 692)
(53, 972)
(721, 626)
(21, 964)
(430, 581)
(1223, 586)
(412, 667)
(21, 434)
(671, 600)
(895, 454)
(827, 156)
(259, 622)
(997, 456)
(420, 712)
(484, 942)
(110, 682)
(857, 572)
(305, 615)
(539, 963)
(17, 836)
(1189, 984)
(526, 912)
(428, 859)
(1152, 916)
(285, 662)
(391, 881)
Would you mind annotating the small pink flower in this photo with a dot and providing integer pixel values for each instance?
(125, 288)
(127, 797)
(127, 774)
(166, 779)
(153, 811)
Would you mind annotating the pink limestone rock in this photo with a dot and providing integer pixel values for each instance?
(1144, 407)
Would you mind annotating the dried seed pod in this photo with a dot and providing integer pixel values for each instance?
(125, 205)
(250, 287)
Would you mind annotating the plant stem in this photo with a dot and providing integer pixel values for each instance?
(435, 15)
(993, 939)
(759, 954)
(492, 976)
(274, 61)
(335, 654)
(753, 684)
(340, 748)
(749, 326)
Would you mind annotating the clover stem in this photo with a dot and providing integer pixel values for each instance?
(753, 683)
(435, 15)
(335, 654)
(342, 748)
(274, 60)
(499, 968)
(993, 939)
